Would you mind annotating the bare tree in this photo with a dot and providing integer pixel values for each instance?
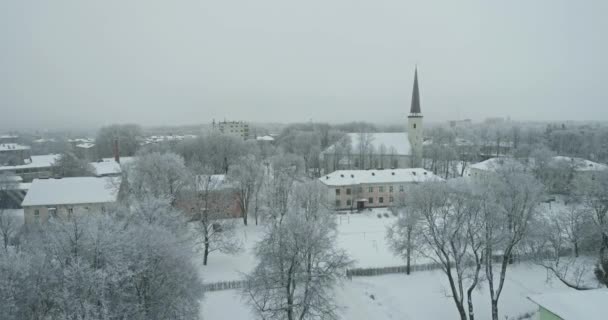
(9, 223)
(208, 199)
(402, 236)
(245, 177)
(444, 221)
(511, 201)
(298, 265)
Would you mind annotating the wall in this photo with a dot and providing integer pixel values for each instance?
(356, 194)
(62, 211)
(545, 314)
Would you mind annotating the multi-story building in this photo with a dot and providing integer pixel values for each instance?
(360, 189)
(12, 154)
(57, 198)
(237, 128)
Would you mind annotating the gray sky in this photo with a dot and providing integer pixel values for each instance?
(77, 63)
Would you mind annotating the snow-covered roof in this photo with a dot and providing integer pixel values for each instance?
(574, 304)
(106, 168)
(85, 145)
(393, 142)
(582, 164)
(12, 146)
(82, 140)
(494, 164)
(215, 182)
(8, 136)
(43, 161)
(77, 190)
(43, 140)
(123, 160)
(354, 177)
(265, 138)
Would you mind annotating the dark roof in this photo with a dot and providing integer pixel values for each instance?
(415, 95)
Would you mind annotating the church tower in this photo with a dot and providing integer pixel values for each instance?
(414, 126)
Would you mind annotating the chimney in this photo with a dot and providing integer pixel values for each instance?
(116, 151)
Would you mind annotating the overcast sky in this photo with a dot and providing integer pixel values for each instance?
(170, 62)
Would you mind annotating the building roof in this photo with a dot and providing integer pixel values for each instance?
(494, 164)
(212, 182)
(12, 146)
(574, 304)
(354, 177)
(106, 168)
(415, 109)
(43, 161)
(581, 164)
(396, 142)
(77, 190)
(85, 145)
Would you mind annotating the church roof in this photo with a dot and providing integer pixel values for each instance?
(396, 143)
(415, 109)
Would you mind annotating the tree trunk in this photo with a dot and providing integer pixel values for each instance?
(206, 250)
(495, 310)
(409, 239)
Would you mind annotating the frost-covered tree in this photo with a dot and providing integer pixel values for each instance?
(592, 191)
(298, 266)
(402, 236)
(155, 176)
(245, 178)
(208, 201)
(68, 165)
(128, 137)
(9, 223)
(510, 203)
(443, 221)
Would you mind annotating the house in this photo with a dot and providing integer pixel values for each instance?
(86, 151)
(572, 305)
(350, 189)
(12, 154)
(64, 197)
(34, 168)
(489, 167)
(380, 150)
(220, 193)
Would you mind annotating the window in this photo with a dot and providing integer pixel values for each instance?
(414, 126)
(338, 203)
(401, 188)
(381, 189)
(371, 189)
(380, 199)
(70, 210)
(337, 192)
(390, 199)
(370, 200)
(103, 209)
(36, 213)
(52, 212)
(348, 191)
(390, 189)
(348, 202)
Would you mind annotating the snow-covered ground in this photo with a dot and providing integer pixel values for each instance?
(421, 295)
(362, 235)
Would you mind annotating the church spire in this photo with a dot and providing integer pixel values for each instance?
(415, 109)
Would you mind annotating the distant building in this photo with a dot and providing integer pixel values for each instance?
(266, 138)
(360, 189)
(236, 128)
(378, 150)
(572, 304)
(12, 191)
(33, 168)
(8, 138)
(460, 123)
(12, 154)
(56, 198)
(221, 194)
(86, 151)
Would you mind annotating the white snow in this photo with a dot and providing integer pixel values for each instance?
(580, 164)
(573, 304)
(71, 191)
(265, 138)
(494, 164)
(85, 145)
(44, 161)
(354, 177)
(421, 295)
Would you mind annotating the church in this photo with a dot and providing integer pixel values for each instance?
(380, 150)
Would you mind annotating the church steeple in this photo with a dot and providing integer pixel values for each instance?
(415, 109)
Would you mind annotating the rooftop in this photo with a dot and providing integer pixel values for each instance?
(85, 145)
(106, 168)
(394, 142)
(354, 177)
(78, 190)
(44, 161)
(12, 146)
(574, 304)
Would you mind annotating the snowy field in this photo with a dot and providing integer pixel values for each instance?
(421, 295)
(361, 235)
